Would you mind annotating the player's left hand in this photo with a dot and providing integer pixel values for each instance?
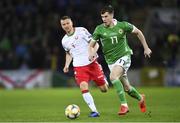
(147, 52)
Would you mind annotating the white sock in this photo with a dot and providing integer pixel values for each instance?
(90, 101)
(125, 104)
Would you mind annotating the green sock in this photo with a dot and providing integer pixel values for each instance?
(134, 93)
(120, 90)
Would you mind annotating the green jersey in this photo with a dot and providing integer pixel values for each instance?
(114, 40)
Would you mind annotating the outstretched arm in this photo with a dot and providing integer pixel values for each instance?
(147, 50)
(67, 63)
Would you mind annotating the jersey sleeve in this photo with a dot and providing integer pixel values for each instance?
(128, 27)
(96, 34)
(86, 35)
(64, 47)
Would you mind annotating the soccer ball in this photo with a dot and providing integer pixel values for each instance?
(72, 111)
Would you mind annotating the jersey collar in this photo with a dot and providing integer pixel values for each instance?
(71, 33)
(114, 22)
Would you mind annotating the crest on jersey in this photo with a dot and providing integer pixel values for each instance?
(121, 31)
(76, 37)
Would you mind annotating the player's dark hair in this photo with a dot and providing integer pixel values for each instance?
(108, 9)
(65, 17)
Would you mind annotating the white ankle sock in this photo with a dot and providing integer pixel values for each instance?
(90, 101)
(125, 104)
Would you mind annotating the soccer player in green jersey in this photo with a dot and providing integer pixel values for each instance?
(112, 35)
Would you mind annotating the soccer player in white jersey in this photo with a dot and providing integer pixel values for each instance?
(75, 43)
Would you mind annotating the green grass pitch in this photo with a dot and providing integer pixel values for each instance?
(47, 105)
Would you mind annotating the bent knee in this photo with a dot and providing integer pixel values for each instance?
(127, 88)
(83, 85)
(112, 78)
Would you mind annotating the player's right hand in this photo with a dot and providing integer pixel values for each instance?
(66, 69)
(147, 52)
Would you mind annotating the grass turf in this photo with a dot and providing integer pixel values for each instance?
(47, 105)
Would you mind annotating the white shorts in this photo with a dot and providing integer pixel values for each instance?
(124, 62)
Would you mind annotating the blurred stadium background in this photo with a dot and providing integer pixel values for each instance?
(31, 55)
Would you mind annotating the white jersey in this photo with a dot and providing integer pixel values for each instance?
(77, 45)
